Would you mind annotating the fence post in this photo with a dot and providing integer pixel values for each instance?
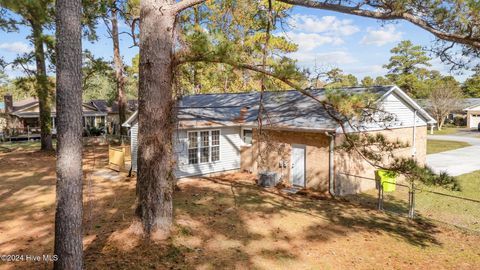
(411, 201)
(380, 196)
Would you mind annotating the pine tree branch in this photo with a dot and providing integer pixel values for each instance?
(388, 15)
(180, 6)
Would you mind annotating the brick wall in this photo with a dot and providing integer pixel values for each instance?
(349, 168)
(276, 151)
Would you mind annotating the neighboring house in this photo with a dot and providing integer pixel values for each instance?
(473, 113)
(23, 116)
(219, 133)
(461, 116)
(111, 109)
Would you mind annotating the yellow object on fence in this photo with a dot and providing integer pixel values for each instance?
(387, 179)
(117, 156)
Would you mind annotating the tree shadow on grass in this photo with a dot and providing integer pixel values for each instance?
(220, 222)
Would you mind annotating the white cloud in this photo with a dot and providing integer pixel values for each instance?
(381, 36)
(16, 47)
(368, 70)
(334, 58)
(329, 25)
(308, 46)
(310, 41)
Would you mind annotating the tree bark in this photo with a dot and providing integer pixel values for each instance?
(157, 119)
(44, 98)
(69, 207)
(119, 76)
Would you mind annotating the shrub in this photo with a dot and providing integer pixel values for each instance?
(413, 171)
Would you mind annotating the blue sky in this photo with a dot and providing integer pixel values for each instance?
(326, 39)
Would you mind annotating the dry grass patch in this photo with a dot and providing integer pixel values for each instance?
(221, 222)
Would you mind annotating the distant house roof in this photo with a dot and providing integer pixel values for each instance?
(470, 103)
(20, 108)
(282, 109)
(465, 104)
(105, 106)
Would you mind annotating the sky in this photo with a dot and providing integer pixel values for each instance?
(357, 45)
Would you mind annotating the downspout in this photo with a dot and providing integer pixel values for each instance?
(331, 164)
(414, 146)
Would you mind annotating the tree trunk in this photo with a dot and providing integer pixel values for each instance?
(69, 207)
(197, 87)
(43, 94)
(440, 122)
(157, 119)
(119, 77)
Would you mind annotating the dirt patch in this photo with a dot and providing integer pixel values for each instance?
(220, 222)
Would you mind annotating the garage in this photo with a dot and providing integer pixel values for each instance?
(473, 116)
(474, 119)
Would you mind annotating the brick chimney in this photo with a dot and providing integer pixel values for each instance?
(8, 99)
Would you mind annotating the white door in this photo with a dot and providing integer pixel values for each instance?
(474, 120)
(297, 175)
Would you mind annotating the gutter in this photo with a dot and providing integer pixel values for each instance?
(414, 146)
(331, 164)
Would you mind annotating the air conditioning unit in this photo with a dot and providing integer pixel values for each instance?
(268, 179)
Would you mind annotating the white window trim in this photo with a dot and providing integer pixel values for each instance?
(209, 146)
(241, 135)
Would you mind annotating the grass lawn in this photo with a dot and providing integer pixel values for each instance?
(449, 208)
(23, 145)
(223, 222)
(453, 210)
(437, 146)
(447, 131)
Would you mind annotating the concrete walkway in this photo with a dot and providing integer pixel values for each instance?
(458, 161)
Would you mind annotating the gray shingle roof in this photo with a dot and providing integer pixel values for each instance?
(464, 103)
(283, 109)
(104, 106)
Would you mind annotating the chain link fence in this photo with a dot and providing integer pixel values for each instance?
(429, 202)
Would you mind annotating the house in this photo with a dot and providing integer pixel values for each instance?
(23, 116)
(219, 133)
(111, 109)
(473, 113)
(461, 115)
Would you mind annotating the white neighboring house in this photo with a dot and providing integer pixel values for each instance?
(216, 133)
(473, 115)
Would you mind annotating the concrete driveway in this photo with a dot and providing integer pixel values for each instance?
(458, 161)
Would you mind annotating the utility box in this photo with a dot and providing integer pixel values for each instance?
(268, 179)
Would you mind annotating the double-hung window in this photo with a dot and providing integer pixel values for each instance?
(203, 146)
(247, 135)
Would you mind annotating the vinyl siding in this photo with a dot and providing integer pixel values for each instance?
(134, 145)
(391, 105)
(404, 113)
(230, 143)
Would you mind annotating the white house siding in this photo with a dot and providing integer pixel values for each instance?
(230, 143)
(404, 113)
(391, 105)
(134, 145)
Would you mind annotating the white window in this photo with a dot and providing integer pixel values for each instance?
(247, 135)
(203, 146)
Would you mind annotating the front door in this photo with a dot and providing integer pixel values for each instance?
(297, 175)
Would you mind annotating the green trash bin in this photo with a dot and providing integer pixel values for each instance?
(387, 179)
